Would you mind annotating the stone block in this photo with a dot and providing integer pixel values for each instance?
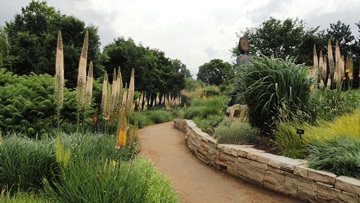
(274, 178)
(273, 169)
(251, 172)
(327, 192)
(301, 170)
(190, 123)
(259, 165)
(321, 176)
(278, 188)
(350, 185)
(288, 164)
(243, 151)
(224, 148)
(301, 184)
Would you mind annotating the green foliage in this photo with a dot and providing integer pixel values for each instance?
(282, 39)
(215, 72)
(111, 181)
(23, 198)
(329, 104)
(25, 162)
(160, 116)
(32, 37)
(274, 89)
(26, 103)
(232, 132)
(151, 117)
(340, 155)
(288, 142)
(154, 72)
(207, 113)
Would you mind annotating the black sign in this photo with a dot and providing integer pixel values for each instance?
(299, 131)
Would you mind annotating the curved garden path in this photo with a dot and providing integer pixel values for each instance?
(194, 181)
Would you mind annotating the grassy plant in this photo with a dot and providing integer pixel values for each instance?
(268, 84)
(208, 113)
(25, 162)
(160, 116)
(340, 155)
(231, 132)
(111, 180)
(23, 197)
(288, 142)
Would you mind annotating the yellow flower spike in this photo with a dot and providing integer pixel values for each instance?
(312, 87)
(114, 163)
(122, 129)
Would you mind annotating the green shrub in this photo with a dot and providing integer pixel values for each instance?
(268, 85)
(329, 104)
(160, 116)
(208, 124)
(232, 132)
(340, 155)
(207, 113)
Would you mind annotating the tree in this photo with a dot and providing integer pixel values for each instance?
(342, 33)
(4, 49)
(32, 37)
(281, 39)
(215, 72)
(154, 72)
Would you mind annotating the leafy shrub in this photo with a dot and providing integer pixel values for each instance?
(231, 132)
(329, 104)
(340, 155)
(160, 116)
(208, 124)
(268, 85)
(208, 113)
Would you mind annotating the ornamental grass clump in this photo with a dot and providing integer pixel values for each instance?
(340, 155)
(269, 85)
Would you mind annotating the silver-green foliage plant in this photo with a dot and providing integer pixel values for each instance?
(273, 89)
(232, 132)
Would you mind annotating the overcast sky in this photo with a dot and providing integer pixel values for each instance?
(193, 31)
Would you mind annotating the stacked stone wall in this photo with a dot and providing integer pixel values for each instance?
(285, 175)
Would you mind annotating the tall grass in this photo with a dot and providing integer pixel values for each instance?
(288, 142)
(340, 155)
(269, 85)
(111, 181)
(25, 162)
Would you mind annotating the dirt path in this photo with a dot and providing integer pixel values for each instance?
(195, 181)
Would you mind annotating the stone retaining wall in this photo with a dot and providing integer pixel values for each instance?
(279, 173)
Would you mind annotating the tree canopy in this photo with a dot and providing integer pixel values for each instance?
(215, 72)
(32, 37)
(154, 72)
(282, 38)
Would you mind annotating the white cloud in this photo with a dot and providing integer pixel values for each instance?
(192, 31)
